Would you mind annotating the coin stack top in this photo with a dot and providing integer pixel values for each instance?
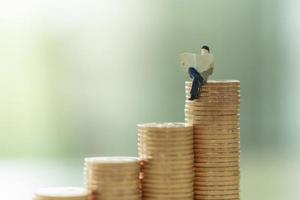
(166, 150)
(215, 117)
(61, 193)
(113, 178)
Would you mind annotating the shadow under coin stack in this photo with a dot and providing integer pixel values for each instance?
(113, 178)
(215, 117)
(61, 193)
(166, 151)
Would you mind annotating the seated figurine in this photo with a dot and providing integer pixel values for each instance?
(199, 70)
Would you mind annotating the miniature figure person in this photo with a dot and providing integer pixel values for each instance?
(204, 61)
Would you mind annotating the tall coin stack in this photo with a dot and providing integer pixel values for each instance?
(166, 151)
(61, 193)
(215, 117)
(113, 178)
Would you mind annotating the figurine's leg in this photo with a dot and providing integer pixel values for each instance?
(197, 79)
(193, 72)
(201, 83)
(195, 87)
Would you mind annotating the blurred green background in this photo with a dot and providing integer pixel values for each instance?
(77, 76)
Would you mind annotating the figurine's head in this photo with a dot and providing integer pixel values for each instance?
(205, 49)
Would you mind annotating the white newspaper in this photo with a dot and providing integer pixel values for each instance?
(188, 60)
(198, 61)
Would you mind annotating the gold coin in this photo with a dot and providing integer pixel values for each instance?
(216, 94)
(166, 186)
(217, 160)
(217, 142)
(216, 145)
(171, 196)
(215, 126)
(102, 181)
(172, 159)
(154, 150)
(146, 144)
(217, 183)
(164, 150)
(217, 197)
(212, 117)
(216, 178)
(168, 192)
(101, 188)
(158, 179)
(225, 192)
(221, 91)
(117, 195)
(219, 130)
(116, 170)
(167, 136)
(167, 142)
(164, 180)
(170, 155)
(206, 131)
(212, 104)
(211, 86)
(202, 136)
(217, 155)
(175, 160)
(113, 169)
(199, 168)
(200, 164)
(169, 168)
(187, 174)
(218, 174)
(216, 110)
(217, 188)
(174, 164)
(120, 179)
(150, 171)
(111, 185)
(150, 146)
(215, 136)
(214, 113)
(213, 100)
(172, 126)
(149, 176)
(207, 123)
(220, 82)
(216, 150)
(66, 193)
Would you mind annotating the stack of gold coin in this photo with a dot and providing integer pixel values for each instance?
(166, 151)
(215, 117)
(113, 178)
(61, 193)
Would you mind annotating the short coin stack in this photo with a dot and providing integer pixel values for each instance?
(215, 117)
(61, 193)
(166, 151)
(113, 178)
